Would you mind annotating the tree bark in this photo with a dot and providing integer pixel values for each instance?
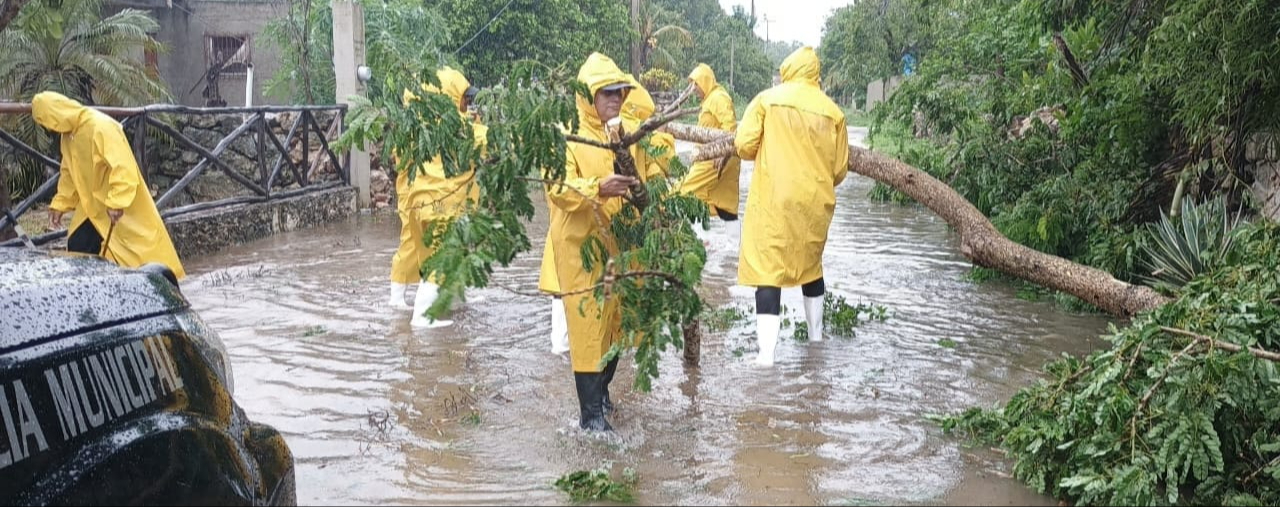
(696, 134)
(9, 10)
(980, 241)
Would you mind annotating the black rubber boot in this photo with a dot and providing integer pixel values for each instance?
(591, 401)
(609, 370)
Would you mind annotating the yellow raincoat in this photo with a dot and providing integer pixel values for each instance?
(638, 107)
(714, 184)
(797, 137)
(578, 213)
(99, 173)
(431, 197)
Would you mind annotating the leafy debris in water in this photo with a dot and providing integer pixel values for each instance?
(585, 486)
(841, 317)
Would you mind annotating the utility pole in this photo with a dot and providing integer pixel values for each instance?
(733, 43)
(348, 58)
(636, 42)
(766, 26)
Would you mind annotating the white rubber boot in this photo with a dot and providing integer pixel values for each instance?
(397, 297)
(813, 313)
(427, 294)
(702, 235)
(767, 327)
(559, 327)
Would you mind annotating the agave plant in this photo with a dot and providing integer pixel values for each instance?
(1178, 249)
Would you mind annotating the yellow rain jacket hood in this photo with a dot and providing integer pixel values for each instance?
(99, 173)
(710, 181)
(797, 137)
(578, 213)
(431, 196)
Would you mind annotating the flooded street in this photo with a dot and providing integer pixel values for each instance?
(482, 413)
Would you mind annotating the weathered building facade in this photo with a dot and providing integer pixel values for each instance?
(198, 34)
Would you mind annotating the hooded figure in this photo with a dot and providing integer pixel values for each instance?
(637, 108)
(581, 209)
(714, 182)
(431, 197)
(100, 181)
(797, 137)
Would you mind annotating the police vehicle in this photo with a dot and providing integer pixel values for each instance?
(113, 392)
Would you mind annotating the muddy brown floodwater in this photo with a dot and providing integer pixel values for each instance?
(482, 413)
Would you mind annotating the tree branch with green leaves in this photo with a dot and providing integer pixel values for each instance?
(657, 263)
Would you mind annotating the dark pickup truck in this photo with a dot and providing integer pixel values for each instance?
(112, 391)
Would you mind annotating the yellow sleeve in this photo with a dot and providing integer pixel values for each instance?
(123, 176)
(577, 193)
(723, 110)
(842, 152)
(480, 133)
(751, 132)
(66, 199)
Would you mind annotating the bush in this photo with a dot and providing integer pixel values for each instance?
(658, 80)
(1164, 416)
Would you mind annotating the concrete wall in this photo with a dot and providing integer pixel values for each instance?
(880, 90)
(183, 30)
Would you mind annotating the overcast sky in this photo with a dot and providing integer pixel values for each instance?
(789, 19)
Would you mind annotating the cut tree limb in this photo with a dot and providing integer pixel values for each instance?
(980, 241)
(696, 134)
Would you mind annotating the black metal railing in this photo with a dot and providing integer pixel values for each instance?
(266, 185)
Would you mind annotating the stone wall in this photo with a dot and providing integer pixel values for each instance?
(1263, 155)
(205, 232)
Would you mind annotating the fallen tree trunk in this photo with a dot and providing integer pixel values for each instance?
(696, 134)
(980, 241)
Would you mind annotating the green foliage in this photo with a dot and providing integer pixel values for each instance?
(400, 35)
(1073, 161)
(550, 32)
(68, 47)
(840, 318)
(658, 80)
(723, 319)
(866, 41)
(1178, 250)
(1159, 418)
(597, 485)
(726, 42)
(658, 262)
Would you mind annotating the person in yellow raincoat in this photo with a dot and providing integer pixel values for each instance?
(637, 108)
(99, 180)
(797, 137)
(431, 197)
(714, 182)
(581, 209)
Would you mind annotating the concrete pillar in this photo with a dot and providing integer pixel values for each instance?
(348, 55)
(875, 93)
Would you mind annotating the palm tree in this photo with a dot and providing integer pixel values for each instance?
(71, 49)
(660, 39)
(68, 47)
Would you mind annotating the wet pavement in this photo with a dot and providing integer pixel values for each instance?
(482, 413)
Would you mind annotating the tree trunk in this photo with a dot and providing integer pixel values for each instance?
(9, 10)
(980, 242)
(696, 134)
